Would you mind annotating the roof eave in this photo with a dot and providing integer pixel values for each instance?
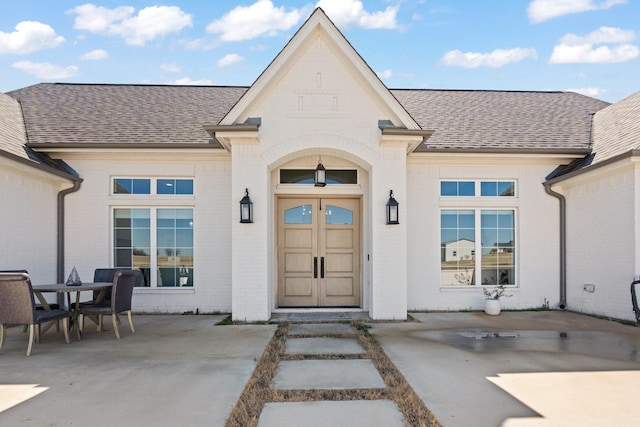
(576, 152)
(414, 137)
(407, 132)
(74, 146)
(220, 133)
(42, 167)
(626, 155)
(243, 127)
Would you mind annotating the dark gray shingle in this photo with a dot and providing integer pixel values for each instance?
(461, 119)
(464, 119)
(12, 133)
(87, 113)
(617, 129)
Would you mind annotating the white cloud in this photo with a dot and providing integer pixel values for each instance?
(171, 68)
(98, 19)
(262, 18)
(542, 10)
(45, 70)
(587, 54)
(248, 22)
(95, 55)
(150, 22)
(186, 81)
(615, 47)
(601, 35)
(385, 74)
(229, 59)
(588, 91)
(204, 43)
(29, 36)
(495, 59)
(346, 13)
(258, 48)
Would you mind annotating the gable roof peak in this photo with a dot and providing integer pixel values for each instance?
(318, 20)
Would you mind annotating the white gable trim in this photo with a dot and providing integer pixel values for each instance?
(318, 21)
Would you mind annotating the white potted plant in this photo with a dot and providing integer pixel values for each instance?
(492, 304)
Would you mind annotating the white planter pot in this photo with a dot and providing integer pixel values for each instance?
(492, 306)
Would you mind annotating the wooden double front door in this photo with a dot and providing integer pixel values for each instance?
(318, 252)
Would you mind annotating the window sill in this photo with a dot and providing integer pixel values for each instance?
(475, 288)
(167, 290)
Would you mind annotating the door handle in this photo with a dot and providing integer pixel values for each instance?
(322, 267)
(315, 267)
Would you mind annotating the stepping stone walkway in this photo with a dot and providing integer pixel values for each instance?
(328, 357)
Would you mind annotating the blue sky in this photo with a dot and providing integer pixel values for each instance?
(588, 46)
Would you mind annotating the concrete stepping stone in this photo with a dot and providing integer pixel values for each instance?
(321, 329)
(353, 413)
(324, 345)
(327, 374)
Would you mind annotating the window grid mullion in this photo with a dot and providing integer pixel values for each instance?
(154, 246)
(478, 245)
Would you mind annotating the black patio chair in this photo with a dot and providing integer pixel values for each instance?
(634, 297)
(120, 302)
(106, 275)
(99, 275)
(17, 307)
(102, 275)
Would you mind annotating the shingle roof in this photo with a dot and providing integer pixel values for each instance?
(617, 129)
(12, 132)
(461, 119)
(464, 119)
(109, 114)
(12, 136)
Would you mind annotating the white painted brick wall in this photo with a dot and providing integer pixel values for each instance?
(537, 232)
(250, 245)
(601, 238)
(318, 107)
(89, 224)
(389, 242)
(28, 227)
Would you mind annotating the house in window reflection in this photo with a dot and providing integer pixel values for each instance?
(462, 249)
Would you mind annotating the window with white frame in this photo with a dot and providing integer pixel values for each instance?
(464, 233)
(131, 186)
(307, 176)
(158, 240)
(152, 186)
(475, 188)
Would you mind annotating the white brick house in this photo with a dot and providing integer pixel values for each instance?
(150, 177)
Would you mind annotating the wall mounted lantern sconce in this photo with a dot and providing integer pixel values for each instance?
(321, 175)
(246, 208)
(392, 210)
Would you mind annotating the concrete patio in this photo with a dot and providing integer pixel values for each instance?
(521, 369)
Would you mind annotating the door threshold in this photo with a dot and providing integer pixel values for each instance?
(319, 315)
(317, 310)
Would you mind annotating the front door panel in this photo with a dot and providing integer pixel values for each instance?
(318, 252)
(297, 243)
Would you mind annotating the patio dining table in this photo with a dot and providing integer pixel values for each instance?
(38, 290)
